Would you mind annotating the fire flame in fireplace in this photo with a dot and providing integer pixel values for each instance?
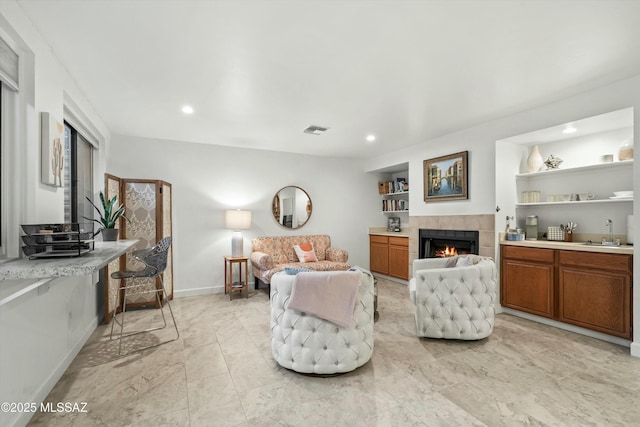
(447, 252)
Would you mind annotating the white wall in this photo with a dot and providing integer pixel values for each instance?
(45, 86)
(42, 331)
(480, 141)
(208, 179)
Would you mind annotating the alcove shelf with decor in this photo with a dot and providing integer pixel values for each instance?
(586, 184)
(586, 181)
(585, 194)
(395, 194)
(598, 183)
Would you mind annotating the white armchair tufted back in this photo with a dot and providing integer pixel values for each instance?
(308, 344)
(454, 303)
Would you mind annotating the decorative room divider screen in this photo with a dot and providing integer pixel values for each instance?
(148, 207)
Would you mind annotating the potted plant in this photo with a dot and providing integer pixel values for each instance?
(109, 216)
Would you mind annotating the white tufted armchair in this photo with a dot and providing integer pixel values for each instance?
(455, 302)
(305, 343)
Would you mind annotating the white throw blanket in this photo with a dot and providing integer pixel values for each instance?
(330, 295)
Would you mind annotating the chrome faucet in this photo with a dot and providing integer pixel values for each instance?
(609, 240)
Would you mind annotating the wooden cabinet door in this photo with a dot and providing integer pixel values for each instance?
(379, 254)
(598, 300)
(527, 287)
(399, 257)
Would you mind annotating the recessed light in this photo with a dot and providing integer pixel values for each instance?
(371, 138)
(569, 129)
(187, 109)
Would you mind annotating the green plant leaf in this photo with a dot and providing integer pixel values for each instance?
(108, 216)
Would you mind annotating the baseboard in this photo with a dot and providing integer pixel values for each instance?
(635, 349)
(194, 292)
(571, 328)
(393, 279)
(48, 385)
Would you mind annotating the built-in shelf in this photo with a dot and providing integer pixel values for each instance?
(583, 202)
(587, 168)
(395, 202)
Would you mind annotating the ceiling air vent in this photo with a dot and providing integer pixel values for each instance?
(315, 130)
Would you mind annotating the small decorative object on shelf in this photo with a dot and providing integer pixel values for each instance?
(553, 162)
(530, 196)
(399, 185)
(382, 187)
(625, 151)
(534, 161)
(393, 224)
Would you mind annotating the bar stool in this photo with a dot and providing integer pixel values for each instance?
(155, 261)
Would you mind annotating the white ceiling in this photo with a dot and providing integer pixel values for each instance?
(258, 72)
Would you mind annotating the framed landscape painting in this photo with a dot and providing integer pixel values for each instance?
(446, 177)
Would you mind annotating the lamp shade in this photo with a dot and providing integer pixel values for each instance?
(237, 219)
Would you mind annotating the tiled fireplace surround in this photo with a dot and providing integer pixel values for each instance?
(484, 224)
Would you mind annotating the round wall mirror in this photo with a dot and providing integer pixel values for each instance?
(292, 207)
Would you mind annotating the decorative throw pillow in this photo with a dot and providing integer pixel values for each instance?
(451, 262)
(474, 259)
(292, 271)
(463, 261)
(305, 252)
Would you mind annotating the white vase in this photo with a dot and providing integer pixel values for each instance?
(534, 161)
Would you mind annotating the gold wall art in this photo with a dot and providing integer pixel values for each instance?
(52, 147)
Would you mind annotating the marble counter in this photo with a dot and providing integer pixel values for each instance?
(103, 254)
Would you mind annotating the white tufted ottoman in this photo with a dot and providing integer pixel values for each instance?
(305, 343)
(456, 302)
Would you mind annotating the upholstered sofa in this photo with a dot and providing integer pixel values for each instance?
(270, 255)
(306, 343)
(454, 297)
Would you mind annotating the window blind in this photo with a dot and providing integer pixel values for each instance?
(8, 65)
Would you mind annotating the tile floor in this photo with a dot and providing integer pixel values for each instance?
(220, 372)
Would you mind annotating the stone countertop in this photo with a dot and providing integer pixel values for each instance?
(390, 234)
(103, 254)
(570, 246)
(381, 231)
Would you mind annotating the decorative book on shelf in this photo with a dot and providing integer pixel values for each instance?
(395, 205)
(400, 185)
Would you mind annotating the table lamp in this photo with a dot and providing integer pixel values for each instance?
(237, 220)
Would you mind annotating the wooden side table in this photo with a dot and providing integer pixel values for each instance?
(239, 286)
